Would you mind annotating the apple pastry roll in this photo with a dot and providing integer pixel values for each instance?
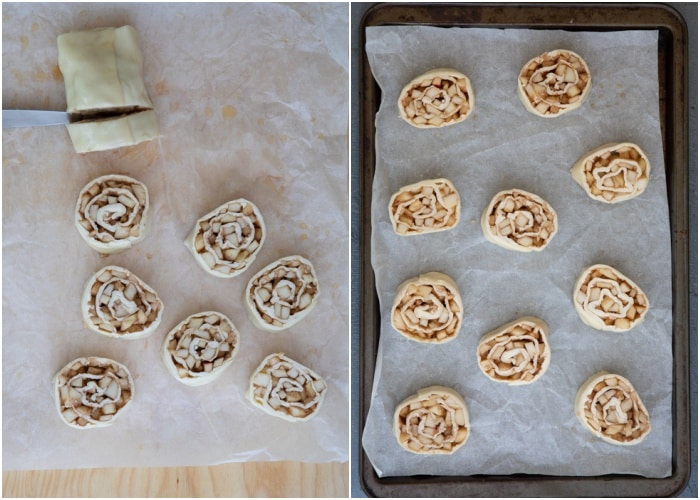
(425, 207)
(286, 389)
(226, 241)
(608, 406)
(112, 213)
(282, 293)
(613, 172)
(92, 392)
(518, 220)
(428, 308)
(433, 421)
(516, 353)
(118, 304)
(608, 300)
(200, 348)
(437, 98)
(554, 83)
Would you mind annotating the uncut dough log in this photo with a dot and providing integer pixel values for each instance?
(554, 83)
(516, 353)
(118, 304)
(424, 207)
(610, 408)
(434, 421)
(92, 392)
(613, 172)
(226, 241)
(608, 300)
(438, 98)
(112, 213)
(199, 349)
(282, 293)
(518, 220)
(428, 308)
(286, 389)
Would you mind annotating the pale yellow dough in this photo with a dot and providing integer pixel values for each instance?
(438, 98)
(613, 172)
(428, 309)
(609, 407)
(434, 421)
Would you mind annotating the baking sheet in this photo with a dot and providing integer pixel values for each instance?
(252, 101)
(490, 152)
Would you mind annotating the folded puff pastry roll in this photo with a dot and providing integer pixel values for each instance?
(200, 348)
(434, 421)
(428, 309)
(117, 303)
(608, 300)
(516, 353)
(92, 392)
(438, 98)
(103, 74)
(519, 220)
(286, 389)
(226, 241)
(608, 406)
(554, 83)
(282, 293)
(613, 172)
(112, 213)
(425, 207)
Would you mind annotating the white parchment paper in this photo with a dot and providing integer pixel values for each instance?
(252, 101)
(526, 429)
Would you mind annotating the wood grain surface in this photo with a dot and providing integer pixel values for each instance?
(255, 479)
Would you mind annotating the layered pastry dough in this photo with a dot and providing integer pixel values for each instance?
(613, 172)
(606, 299)
(428, 308)
(608, 406)
(437, 98)
(112, 213)
(433, 421)
(516, 353)
(425, 207)
(92, 392)
(200, 348)
(103, 74)
(118, 304)
(110, 133)
(226, 241)
(282, 293)
(286, 389)
(554, 83)
(518, 220)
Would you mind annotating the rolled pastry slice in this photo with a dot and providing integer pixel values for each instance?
(118, 304)
(428, 308)
(437, 98)
(554, 83)
(425, 207)
(92, 392)
(226, 241)
(613, 172)
(608, 300)
(286, 389)
(433, 421)
(114, 132)
(518, 220)
(282, 293)
(200, 348)
(608, 406)
(516, 353)
(112, 213)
